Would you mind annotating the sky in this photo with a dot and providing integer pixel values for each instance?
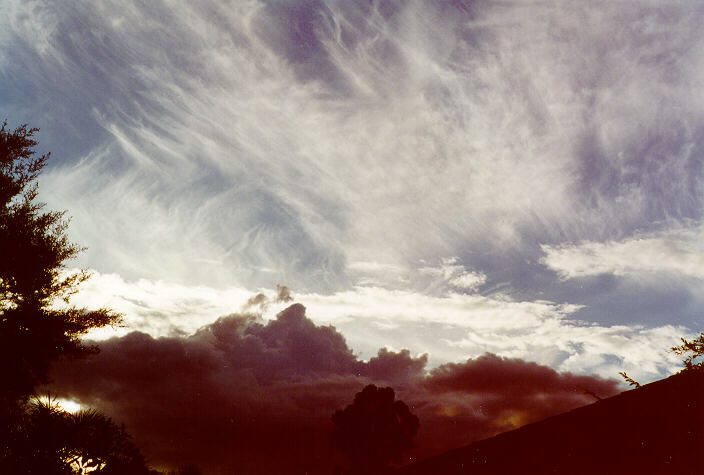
(519, 180)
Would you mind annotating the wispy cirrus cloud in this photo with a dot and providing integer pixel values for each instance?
(265, 142)
(211, 150)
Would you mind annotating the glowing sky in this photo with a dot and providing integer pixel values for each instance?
(519, 177)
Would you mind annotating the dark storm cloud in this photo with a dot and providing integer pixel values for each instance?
(488, 374)
(283, 294)
(233, 394)
(395, 367)
(261, 301)
(490, 394)
(255, 397)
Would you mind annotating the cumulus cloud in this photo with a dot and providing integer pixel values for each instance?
(242, 394)
(491, 394)
(448, 327)
(261, 301)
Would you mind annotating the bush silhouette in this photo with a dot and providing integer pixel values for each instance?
(54, 442)
(374, 430)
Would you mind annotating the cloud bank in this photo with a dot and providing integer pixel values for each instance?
(247, 396)
(449, 326)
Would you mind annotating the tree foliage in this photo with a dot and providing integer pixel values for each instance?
(38, 326)
(629, 380)
(693, 352)
(37, 323)
(53, 441)
(374, 430)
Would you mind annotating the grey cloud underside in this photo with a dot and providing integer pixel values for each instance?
(263, 142)
(242, 396)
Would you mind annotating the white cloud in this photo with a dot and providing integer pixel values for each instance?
(446, 276)
(157, 307)
(468, 280)
(451, 273)
(230, 152)
(452, 327)
(676, 252)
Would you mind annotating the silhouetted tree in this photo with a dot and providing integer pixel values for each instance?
(374, 430)
(692, 350)
(38, 326)
(34, 331)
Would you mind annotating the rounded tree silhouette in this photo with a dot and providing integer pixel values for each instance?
(374, 430)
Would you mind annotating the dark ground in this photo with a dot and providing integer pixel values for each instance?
(656, 429)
